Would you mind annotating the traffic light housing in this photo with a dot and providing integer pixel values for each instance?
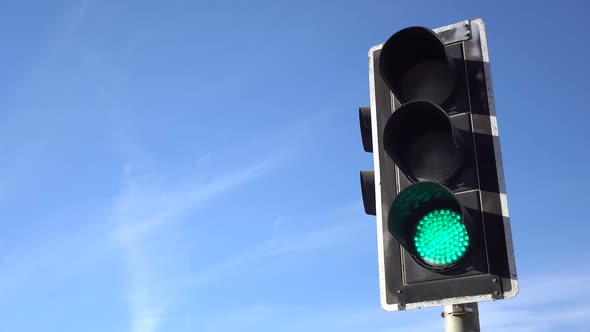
(437, 189)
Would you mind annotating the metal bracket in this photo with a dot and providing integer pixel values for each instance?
(498, 294)
(457, 310)
(457, 34)
(401, 298)
(461, 317)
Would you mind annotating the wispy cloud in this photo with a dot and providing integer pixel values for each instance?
(146, 205)
(55, 247)
(277, 245)
(27, 122)
(547, 302)
(67, 22)
(139, 210)
(344, 317)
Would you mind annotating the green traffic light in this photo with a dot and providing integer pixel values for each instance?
(441, 238)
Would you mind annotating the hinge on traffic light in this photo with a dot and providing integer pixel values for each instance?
(401, 298)
(498, 293)
(461, 33)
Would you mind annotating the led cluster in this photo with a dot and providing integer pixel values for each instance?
(441, 237)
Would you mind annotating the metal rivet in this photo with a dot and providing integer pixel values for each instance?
(494, 280)
(399, 291)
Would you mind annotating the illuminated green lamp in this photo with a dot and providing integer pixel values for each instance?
(441, 238)
(430, 223)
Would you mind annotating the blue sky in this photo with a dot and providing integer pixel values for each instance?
(193, 166)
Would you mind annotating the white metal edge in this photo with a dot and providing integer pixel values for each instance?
(449, 301)
(377, 172)
(499, 164)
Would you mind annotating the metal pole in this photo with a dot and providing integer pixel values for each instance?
(461, 317)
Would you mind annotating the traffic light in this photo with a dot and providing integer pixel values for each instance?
(437, 189)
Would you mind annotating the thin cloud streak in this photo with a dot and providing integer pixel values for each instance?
(277, 245)
(546, 301)
(68, 21)
(529, 311)
(137, 212)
